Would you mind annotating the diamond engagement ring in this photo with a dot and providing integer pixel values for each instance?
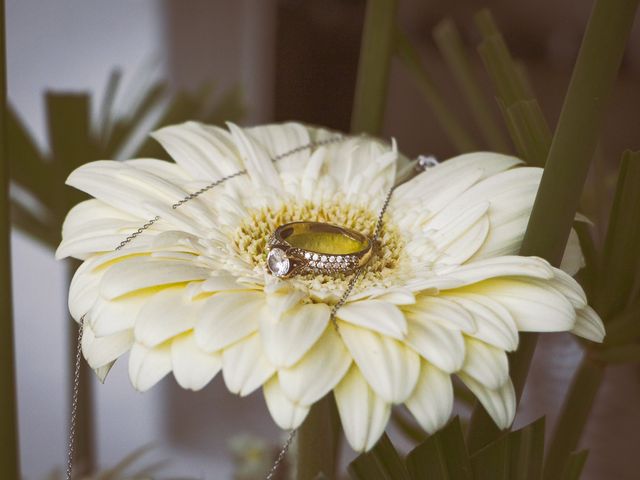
(316, 247)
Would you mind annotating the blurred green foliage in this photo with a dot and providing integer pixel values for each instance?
(77, 135)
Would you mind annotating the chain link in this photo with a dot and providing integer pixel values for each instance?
(281, 454)
(74, 402)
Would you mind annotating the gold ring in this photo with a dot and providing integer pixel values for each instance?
(316, 247)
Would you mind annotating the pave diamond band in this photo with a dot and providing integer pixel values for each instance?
(315, 247)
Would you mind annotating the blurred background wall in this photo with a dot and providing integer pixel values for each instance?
(293, 60)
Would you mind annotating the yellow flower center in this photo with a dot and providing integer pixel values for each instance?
(385, 268)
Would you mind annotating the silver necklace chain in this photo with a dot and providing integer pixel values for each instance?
(343, 298)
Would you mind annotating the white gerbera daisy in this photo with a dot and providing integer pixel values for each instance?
(446, 294)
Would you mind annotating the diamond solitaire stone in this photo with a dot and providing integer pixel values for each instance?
(278, 262)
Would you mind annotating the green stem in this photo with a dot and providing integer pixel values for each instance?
(318, 441)
(455, 54)
(570, 154)
(373, 70)
(574, 415)
(68, 117)
(9, 458)
(453, 129)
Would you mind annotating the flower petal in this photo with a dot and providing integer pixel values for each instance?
(442, 346)
(256, 159)
(204, 151)
(318, 372)
(228, 317)
(443, 310)
(165, 315)
(245, 367)
(287, 338)
(573, 259)
(534, 307)
(500, 404)
(364, 415)
(589, 325)
(486, 364)
(147, 366)
(287, 414)
(506, 266)
(441, 177)
(282, 138)
(139, 273)
(192, 367)
(432, 400)
(389, 366)
(101, 351)
(111, 316)
(495, 324)
(376, 315)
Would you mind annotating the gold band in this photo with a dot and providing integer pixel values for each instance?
(316, 247)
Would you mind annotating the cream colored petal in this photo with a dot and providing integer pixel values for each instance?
(138, 192)
(500, 404)
(589, 325)
(256, 159)
(282, 138)
(84, 289)
(102, 372)
(287, 338)
(219, 283)
(364, 415)
(442, 310)
(432, 400)
(569, 287)
(486, 364)
(511, 194)
(573, 259)
(388, 365)
(480, 270)
(287, 414)
(495, 324)
(379, 316)
(534, 307)
(192, 367)
(282, 296)
(93, 226)
(147, 366)
(245, 367)
(111, 316)
(227, 317)
(204, 151)
(161, 168)
(442, 346)
(101, 351)
(164, 315)
(318, 372)
(439, 178)
(455, 238)
(139, 273)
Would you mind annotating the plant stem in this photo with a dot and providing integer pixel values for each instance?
(575, 414)
(568, 161)
(453, 51)
(9, 457)
(68, 117)
(453, 129)
(318, 441)
(376, 48)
